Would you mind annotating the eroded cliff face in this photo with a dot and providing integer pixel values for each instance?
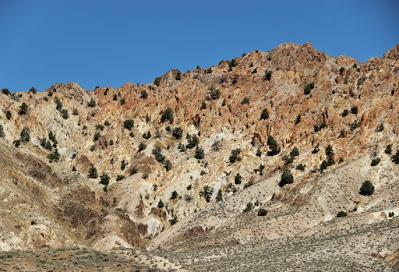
(298, 96)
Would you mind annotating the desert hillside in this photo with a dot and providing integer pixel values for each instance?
(285, 160)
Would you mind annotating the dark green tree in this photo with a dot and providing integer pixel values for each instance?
(2, 135)
(167, 115)
(25, 136)
(104, 179)
(128, 124)
(264, 115)
(268, 75)
(93, 173)
(177, 133)
(142, 146)
(192, 141)
(308, 88)
(199, 153)
(54, 156)
(23, 108)
(286, 178)
(234, 155)
(207, 193)
(273, 146)
(92, 103)
(238, 179)
(367, 188)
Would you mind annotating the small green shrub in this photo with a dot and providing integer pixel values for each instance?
(142, 146)
(199, 153)
(167, 115)
(388, 149)
(64, 114)
(104, 179)
(25, 135)
(268, 75)
(96, 136)
(380, 127)
(23, 109)
(2, 135)
(6, 91)
(120, 177)
(58, 104)
(160, 204)
(54, 156)
(192, 141)
(92, 103)
(264, 114)
(147, 135)
(219, 196)
(157, 152)
(249, 207)
(294, 152)
(157, 81)
(143, 94)
(173, 220)
(245, 101)
(168, 165)
(174, 195)
(395, 157)
(128, 124)
(354, 110)
(234, 155)
(342, 214)
(206, 193)
(177, 133)
(345, 113)
(308, 88)
(92, 173)
(375, 161)
(286, 178)
(238, 179)
(367, 188)
(300, 167)
(273, 146)
(214, 94)
(297, 119)
(8, 115)
(262, 212)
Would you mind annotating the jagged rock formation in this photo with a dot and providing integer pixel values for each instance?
(193, 163)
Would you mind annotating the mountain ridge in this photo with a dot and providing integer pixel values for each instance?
(266, 147)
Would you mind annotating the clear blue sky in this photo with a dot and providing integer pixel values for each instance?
(108, 43)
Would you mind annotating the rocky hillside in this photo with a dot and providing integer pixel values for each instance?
(240, 166)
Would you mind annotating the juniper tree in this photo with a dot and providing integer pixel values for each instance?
(286, 178)
(234, 156)
(167, 115)
(192, 141)
(273, 145)
(199, 153)
(93, 173)
(177, 133)
(23, 108)
(268, 75)
(25, 136)
(207, 193)
(367, 188)
(2, 135)
(104, 179)
(128, 124)
(264, 114)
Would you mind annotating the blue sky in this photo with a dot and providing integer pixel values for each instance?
(108, 43)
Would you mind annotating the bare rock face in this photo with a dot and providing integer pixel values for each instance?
(261, 148)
